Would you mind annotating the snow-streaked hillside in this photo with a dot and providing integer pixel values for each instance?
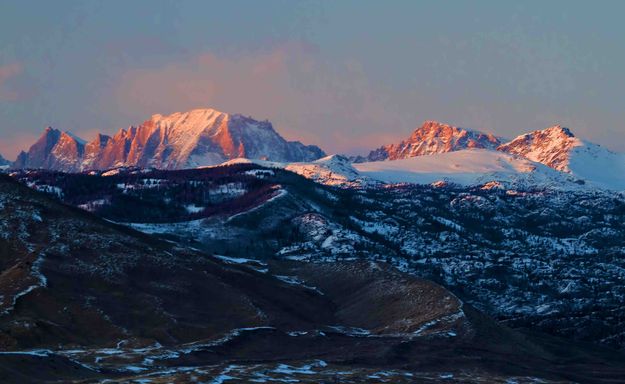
(549, 258)
(330, 170)
(335, 170)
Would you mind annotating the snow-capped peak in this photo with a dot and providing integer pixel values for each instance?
(551, 146)
(558, 148)
(435, 137)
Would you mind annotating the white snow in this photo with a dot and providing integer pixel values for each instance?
(470, 167)
(192, 208)
(260, 173)
(558, 148)
(112, 172)
(280, 193)
(598, 166)
(466, 167)
(34, 352)
(35, 272)
(292, 280)
(330, 170)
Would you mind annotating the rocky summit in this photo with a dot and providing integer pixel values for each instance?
(434, 137)
(199, 137)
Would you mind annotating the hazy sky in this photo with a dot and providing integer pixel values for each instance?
(346, 75)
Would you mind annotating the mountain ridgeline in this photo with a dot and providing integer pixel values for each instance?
(433, 152)
(431, 138)
(181, 140)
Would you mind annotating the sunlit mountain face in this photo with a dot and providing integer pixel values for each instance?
(182, 140)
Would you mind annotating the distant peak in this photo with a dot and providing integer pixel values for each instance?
(435, 137)
(50, 135)
(204, 111)
(435, 123)
(197, 112)
(551, 146)
(560, 130)
(550, 133)
(50, 130)
(440, 128)
(201, 136)
(438, 125)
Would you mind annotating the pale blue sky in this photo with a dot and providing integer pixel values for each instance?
(346, 75)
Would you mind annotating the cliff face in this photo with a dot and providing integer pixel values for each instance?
(181, 140)
(552, 146)
(53, 150)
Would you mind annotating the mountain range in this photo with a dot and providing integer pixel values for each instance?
(556, 147)
(181, 140)
(434, 152)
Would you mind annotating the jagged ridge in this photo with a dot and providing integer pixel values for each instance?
(551, 146)
(434, 137)
(180, 140)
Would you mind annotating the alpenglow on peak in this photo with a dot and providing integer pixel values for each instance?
(180, 140)
(434, 137)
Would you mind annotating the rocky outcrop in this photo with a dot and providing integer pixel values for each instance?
(434, 137)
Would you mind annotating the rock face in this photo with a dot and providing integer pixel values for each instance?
(434, 137)
(54, 150)
(181, 140)
(552, 146)
(559, 149)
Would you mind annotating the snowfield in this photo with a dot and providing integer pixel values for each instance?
(598, 166)
(466, 167)
(471, 167)
(590, 167)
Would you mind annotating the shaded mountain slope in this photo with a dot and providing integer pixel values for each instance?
(88, 299)
(495, 247)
